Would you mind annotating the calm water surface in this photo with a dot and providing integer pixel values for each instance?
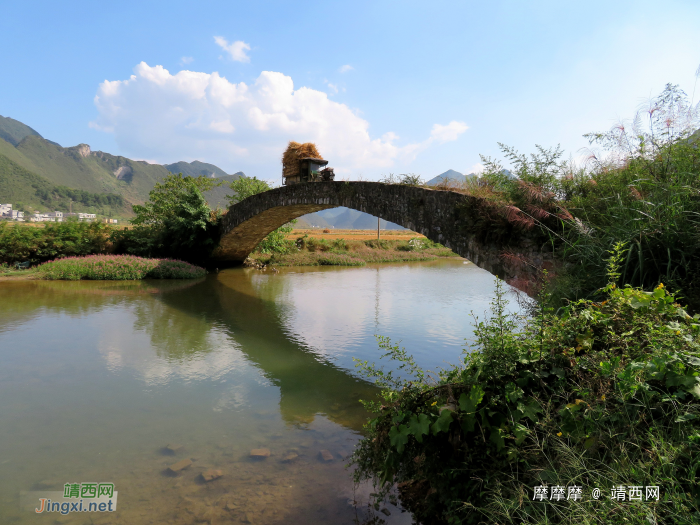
(97, 377)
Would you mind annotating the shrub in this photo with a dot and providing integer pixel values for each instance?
(277, 242)
(118, 267)
(19, 242)
(339, 244)
(601, 394)
(335, 259)
(175, 222)
(378, 244)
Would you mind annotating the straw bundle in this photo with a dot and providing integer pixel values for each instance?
(291, 160)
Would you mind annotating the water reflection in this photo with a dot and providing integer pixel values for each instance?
(96, 377)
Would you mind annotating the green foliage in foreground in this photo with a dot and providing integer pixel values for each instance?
(598, 395)
(20, 243)
(118, 267)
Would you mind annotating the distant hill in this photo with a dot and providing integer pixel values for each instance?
(13, 131)
(342, 218)
(448, 175)
(453, 175)
(197, 168)
(80, 168)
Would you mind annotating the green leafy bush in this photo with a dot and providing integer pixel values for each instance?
(599, 394)
(277, 242)
(20, 242)
(118, 267)
(175, 222)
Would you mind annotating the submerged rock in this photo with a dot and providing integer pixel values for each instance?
(180, 465)
(211, 474)
(260, 453)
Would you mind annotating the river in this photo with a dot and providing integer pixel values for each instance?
(98, 377)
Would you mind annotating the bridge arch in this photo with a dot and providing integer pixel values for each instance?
(447, 217)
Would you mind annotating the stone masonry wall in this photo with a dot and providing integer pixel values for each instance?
(447, 217)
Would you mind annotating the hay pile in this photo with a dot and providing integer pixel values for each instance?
(291, 160)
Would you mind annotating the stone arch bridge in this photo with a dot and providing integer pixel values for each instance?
(447, 217)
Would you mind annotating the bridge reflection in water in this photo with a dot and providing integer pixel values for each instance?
(97, 377)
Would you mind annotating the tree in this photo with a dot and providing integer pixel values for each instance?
(175, 222)
(165, 197)
(245, 187)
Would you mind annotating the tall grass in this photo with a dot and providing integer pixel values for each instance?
(641, 186)
(118, 267)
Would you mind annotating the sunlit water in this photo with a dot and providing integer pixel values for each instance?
(97, 377)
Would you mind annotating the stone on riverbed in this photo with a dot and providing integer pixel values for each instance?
(180, 465)
(212, 474)
(260, 453)
(173, 448)
(288, 458)
(326, 455)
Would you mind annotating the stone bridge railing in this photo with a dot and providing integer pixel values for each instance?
(447, 217)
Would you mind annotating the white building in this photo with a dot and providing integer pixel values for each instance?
(83, 216)
(57, 216)
(5, 209)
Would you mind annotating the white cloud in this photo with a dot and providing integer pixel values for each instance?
(237, 50)
(186, 60)
(346, 68)
(192, 115)
(332, 88)
(477, 169)
(448, 133)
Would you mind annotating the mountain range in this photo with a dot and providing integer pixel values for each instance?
(37, 174)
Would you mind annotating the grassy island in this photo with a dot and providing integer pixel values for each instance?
(117, 267)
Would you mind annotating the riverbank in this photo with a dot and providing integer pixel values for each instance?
(105, 267)
(317, 250)
(18, 275)
(357, 235)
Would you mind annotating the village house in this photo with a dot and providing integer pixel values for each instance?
(6, 212)
(83, 216)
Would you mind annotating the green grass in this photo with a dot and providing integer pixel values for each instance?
(117, 267)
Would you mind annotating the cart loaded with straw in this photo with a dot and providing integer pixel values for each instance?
(303, 163)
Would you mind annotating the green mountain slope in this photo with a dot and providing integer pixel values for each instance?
(79, 167)
(13, 131)
(28, 191)
(51, 169)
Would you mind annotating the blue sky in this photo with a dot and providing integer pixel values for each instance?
(427, 86)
